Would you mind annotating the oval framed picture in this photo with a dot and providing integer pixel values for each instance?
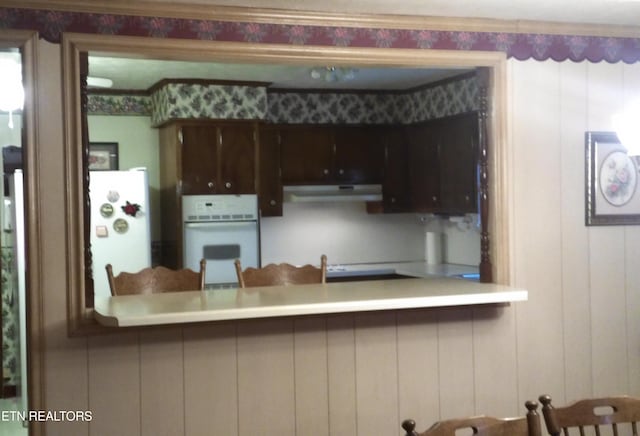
(618, 178)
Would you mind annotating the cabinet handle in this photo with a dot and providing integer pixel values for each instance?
(227, 185)
(393, 199)
(467, 198)
(341, 171)
(325, 171)
(434, 198)
(272, 202)
(210, 185)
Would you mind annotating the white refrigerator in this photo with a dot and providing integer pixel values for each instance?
(120, 224)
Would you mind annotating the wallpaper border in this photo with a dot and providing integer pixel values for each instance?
(50, 24)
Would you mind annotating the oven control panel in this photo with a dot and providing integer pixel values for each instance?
(208, 208)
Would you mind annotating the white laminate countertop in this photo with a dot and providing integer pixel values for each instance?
(277, 301)
(411, 269)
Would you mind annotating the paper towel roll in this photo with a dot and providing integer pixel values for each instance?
(433, 248)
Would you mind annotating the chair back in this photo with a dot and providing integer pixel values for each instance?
(156, 280)
(618, 415)
(282, 274)
(528, 425)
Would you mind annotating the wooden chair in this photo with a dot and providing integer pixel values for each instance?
(282, 274)
(619, 415)
(528, 425)
(156, 280)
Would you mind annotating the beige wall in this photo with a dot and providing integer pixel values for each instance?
(363, 373)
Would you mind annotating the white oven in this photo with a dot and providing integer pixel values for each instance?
(220, 229)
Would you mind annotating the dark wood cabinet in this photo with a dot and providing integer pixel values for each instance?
(459, 164)
(306, 154)
(396, 194)
(424, 169)
(324, 154)
(443, 164)
(218, 158)
(358, 154)
(269, 177)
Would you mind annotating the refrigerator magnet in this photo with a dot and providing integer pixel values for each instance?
(106, 210)
(121, 225)
(102, 231)
(113, 196)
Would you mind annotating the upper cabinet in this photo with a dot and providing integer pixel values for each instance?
(218, 157)
(328, 154)
(396, 192)
(443, 161)
(358, 154)
(306, 154)
(269, 174)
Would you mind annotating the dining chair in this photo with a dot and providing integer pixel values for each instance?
(613, 415)
(156, 280)
(528, 425)
(282, 274)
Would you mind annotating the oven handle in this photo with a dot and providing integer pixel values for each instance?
(214, 223)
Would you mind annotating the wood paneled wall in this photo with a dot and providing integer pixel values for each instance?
(361, 374)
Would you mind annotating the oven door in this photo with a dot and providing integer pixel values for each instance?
(220, 244)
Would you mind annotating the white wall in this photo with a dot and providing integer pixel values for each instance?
(346, 233)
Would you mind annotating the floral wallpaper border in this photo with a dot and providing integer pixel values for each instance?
(119, 105)
(51, 24)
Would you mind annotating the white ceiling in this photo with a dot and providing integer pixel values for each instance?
(141, 74)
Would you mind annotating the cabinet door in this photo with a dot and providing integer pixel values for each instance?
(199, 159)
(458, 164)
(424, 171)
(306, 154)
(237, 158)
(270, 190)
(396, 195)
(359, 154)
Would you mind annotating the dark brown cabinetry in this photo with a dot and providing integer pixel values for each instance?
(358, 155)
(306, 154)
(443, 164)
(325, 154)
(270, 181)
(396, 193)
(218, 158)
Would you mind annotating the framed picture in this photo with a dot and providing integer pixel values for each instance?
(612, 179)
(103, 156)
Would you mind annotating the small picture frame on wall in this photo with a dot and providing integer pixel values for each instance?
(612, 179)
(103, 156)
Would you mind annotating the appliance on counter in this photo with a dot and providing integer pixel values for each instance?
(220, 229)
(120, 224)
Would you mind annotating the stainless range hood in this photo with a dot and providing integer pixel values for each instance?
(319, 193)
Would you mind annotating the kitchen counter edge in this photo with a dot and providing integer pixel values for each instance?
(299, 300)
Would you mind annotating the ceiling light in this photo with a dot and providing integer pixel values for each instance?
(99, 82)
(333, 74)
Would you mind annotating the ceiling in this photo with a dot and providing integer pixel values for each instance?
(142, 74)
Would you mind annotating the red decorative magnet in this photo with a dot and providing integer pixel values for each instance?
(131, 209)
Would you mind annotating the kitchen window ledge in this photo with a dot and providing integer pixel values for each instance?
(298, 300)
